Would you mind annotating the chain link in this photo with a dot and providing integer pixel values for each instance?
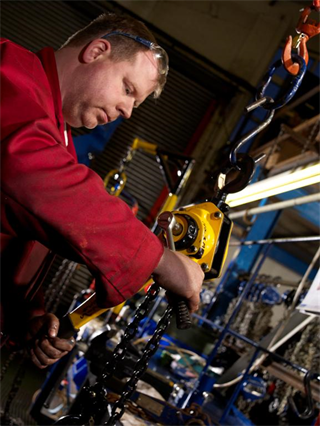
(97, 394)
(130, 332)
(97, 398)
(7, 364)
(16, 383)
(131, 406)
(140, 367)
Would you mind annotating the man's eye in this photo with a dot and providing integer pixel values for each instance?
(128, 91)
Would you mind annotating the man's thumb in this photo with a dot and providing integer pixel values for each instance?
(53, 325)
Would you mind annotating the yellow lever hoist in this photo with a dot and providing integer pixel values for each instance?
(200, 231)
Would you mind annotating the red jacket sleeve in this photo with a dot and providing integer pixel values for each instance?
(47, 196)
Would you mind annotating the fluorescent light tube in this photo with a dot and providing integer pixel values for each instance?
(284, 182)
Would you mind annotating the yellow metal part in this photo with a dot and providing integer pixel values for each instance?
(170, 203)
(116, 179)
(116, 310)
(89, 310)
(209, 221)
(85, 312)
(145, 146)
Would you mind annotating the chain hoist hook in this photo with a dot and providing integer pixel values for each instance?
(286, 58)
(239, 170)
(306, 28)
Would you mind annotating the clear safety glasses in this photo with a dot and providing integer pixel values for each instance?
(159, 53)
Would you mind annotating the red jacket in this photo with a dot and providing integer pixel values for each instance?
(49, 201)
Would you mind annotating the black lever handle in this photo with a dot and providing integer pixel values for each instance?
(183, 318)
(66, 328)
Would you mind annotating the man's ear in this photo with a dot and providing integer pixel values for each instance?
(95, 49)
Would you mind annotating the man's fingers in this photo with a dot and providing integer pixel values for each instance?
(40, 359)
(194, 303)
(62, 344)
(35, 360)
(45, 347)
(194, 308)
(43, 354)
(46, 351)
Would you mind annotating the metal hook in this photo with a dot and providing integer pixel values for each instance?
(307, 28)
(309, 411)
(269, 104)
(243, 163)
(286, 58)
(259, 102)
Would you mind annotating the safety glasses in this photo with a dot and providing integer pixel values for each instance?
(159, 53)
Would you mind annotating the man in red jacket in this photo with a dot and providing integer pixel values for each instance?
(52, 204)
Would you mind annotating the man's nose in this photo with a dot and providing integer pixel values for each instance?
(126, 108)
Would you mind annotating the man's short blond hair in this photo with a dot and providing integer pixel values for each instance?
(123, 48)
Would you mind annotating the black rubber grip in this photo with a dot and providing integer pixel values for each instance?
(183, 317)
(66, 329)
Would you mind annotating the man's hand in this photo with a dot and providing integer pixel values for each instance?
(181, 276)
(45, 347)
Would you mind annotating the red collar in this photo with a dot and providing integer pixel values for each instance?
(48, 61)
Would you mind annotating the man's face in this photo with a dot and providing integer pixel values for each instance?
(101, 91)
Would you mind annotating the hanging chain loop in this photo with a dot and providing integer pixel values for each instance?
(96, 404)
(141, 366)
(16, 383)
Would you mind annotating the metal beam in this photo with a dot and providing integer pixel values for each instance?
(277, 206)
(311, 213)
(275, 241)
(278, 254)
(262, 228)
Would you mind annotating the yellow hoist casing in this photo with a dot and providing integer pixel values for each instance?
(204, 235)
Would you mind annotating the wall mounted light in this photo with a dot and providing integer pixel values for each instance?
(283, 182)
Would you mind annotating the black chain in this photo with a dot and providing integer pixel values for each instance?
(7, 364)
(95, 402)
(130, 332)
(141, 366)
(97, 394)
(16, 383)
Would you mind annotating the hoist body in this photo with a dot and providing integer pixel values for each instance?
(202, 232)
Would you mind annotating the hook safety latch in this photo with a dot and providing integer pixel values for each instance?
(306, 28)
